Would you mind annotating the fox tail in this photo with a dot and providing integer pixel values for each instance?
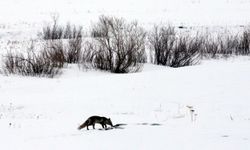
(82, 126)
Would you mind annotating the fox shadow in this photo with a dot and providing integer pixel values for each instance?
(117, 126)
(122, 125)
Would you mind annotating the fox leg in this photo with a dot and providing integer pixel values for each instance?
(87, 127)
(93, 126)
(104, 126)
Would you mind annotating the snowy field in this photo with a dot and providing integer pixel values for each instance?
(45, 113)
(23, 18)
(154, 105)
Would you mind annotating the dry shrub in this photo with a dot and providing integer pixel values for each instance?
(169, 49)
(30, 64)
(119, 46)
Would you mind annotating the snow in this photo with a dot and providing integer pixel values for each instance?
(24, 18)
(181, 11)
(43, 113)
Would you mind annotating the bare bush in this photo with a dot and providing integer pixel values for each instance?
(54, 51)
(73, 35)
(162, 41)
(244, 43)
(74, 46)
(68, 31)
(31, 64)
(185, 52)
(53, 32)
(72, 32)
(57, 51)
(86, 56)
(228, 45)
(56, 31)
(211, 47)
(168, 49)
(220, 46)
(119, 47)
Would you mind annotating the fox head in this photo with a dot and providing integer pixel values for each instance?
(109, 122)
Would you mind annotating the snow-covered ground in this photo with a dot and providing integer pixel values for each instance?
(205, 12)
(43, 114)
(23, 18)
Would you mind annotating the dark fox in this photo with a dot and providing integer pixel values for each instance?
(96, 119)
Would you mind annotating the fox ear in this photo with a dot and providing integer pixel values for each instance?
(109, 118)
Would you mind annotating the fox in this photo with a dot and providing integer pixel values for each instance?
(96, 119)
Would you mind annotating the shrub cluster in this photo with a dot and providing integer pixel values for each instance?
(120, 47)
(227, 45)
(31, 64)
(55, 31)
(71, 34)
(176, 50)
